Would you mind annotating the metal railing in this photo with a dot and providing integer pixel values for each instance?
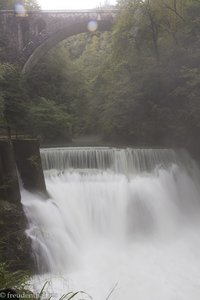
(7, 132)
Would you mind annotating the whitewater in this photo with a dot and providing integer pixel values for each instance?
(118, 224)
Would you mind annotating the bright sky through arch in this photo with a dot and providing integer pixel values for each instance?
(72, 4)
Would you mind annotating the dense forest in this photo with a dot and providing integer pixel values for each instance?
(138, 84)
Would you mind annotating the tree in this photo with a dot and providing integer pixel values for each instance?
(132, 95)
(10, 4)
(7, 4)
(15, 106)
(58, 79)
(50, 122)
(31, 4)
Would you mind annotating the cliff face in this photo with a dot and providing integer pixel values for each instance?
(15, 247)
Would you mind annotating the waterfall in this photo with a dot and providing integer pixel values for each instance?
(123, 218)
(117, 160)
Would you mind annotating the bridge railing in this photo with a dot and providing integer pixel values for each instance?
(86, 11)
(7, 132)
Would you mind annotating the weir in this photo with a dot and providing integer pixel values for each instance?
(124, 218)
(126, 160)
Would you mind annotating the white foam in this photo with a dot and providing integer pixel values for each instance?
(103, 229)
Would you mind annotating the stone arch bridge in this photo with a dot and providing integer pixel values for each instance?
(31, 35)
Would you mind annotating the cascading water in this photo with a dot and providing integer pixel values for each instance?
(122, 218)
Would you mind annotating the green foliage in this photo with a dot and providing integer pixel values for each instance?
(58, 79)
(19, 282)
(31, 4)
(49, 121)
(93, 52)
(72, 295)
(25, 108)
(144, 87)
(7, 4)
(15, 280)
(12, 98)
(10, 4)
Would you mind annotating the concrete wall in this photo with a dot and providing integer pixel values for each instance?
(15, 247)
(9, 187)
(29, 165)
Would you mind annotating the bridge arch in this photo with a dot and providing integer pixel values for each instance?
(60, 35)
(33, 34)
